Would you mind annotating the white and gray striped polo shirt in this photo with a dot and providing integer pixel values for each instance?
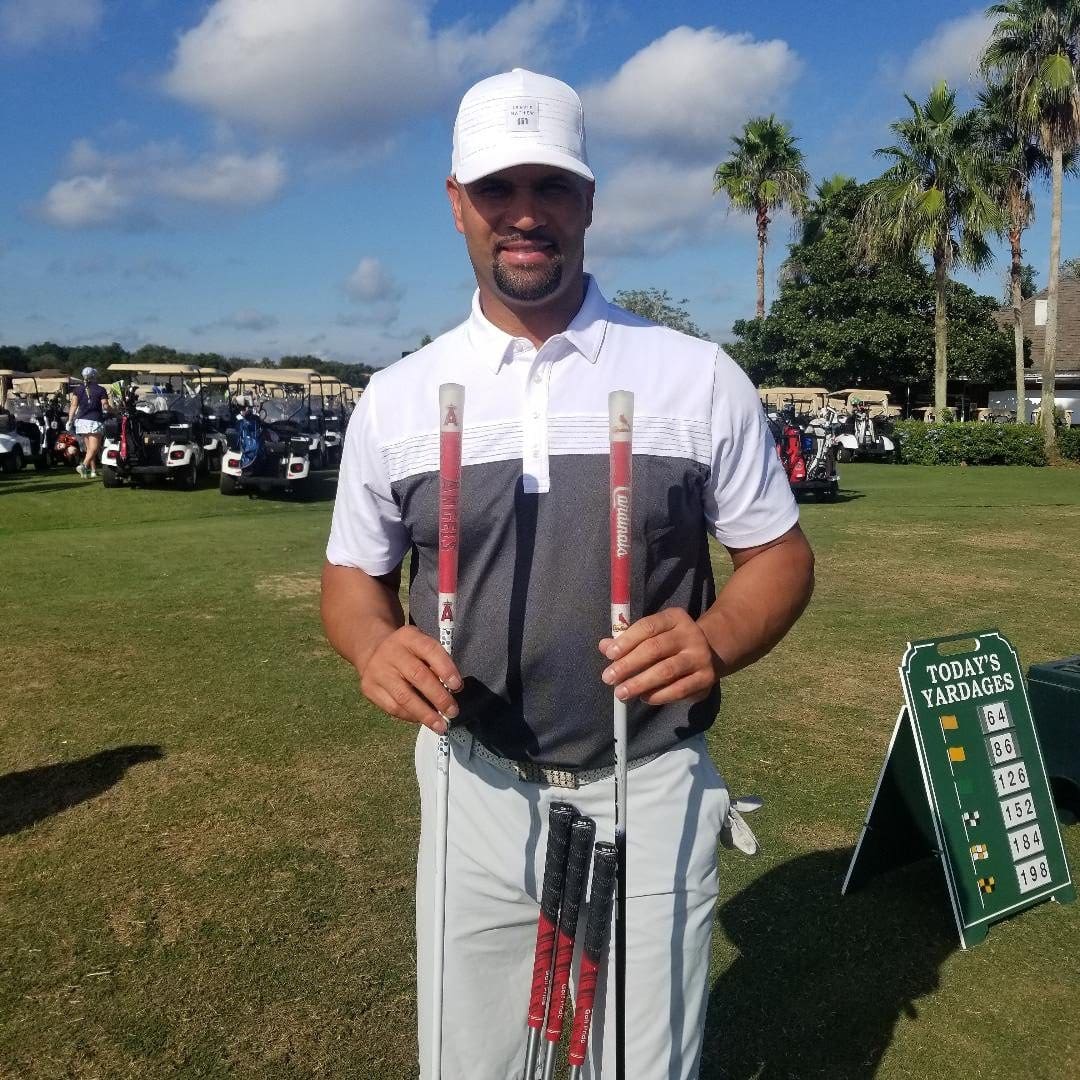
(533, 597)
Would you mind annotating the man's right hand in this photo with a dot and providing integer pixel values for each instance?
(410, 675)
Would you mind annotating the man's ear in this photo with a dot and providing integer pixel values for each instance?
(453, 190)
(589, 193)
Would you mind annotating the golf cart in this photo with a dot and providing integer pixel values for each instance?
(39, 406)
(333, 408)
(218, 415)
(16, 447)
(277, 439)
(805, 440)
(866, 416)
(161, 431)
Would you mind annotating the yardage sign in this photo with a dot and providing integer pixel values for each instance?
(964, 778)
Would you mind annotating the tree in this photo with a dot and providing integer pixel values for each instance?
(1029, 283)
(657, 306)
(765, 173)
(839, 321)
(1006, 140)
(1034, 47)
(936, 198)
(1070, 270)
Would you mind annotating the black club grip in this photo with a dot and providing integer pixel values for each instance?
(558, 845)
(582, 831)
(602, 896)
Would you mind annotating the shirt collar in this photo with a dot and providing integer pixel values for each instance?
(585, 334)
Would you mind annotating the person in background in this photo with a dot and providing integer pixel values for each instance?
(86, 418)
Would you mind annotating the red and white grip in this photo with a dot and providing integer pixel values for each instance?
(451, 410)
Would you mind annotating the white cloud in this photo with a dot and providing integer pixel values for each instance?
(370, 283)
(351, 71)
(689, 90)
(121, 188)
(651, 206)
(227, 179)
(85, 201)
(26, 23)
(951, 53)
(247, 319)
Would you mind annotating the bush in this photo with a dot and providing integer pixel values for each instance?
(1068, 440)
(970, 444)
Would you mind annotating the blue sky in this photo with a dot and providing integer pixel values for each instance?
(261, 177)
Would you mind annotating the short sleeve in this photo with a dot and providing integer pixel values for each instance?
(367, 531)
(748, 500)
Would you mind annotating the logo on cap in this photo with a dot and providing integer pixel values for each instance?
(523, 116)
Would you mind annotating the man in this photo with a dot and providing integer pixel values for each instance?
(529, 688)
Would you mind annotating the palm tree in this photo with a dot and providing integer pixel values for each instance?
(936, 198)
(765, 173)
(1034, 47)
(1006, 141)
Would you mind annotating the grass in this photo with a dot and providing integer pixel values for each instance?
(206, 836)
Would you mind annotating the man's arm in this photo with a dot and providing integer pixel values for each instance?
(669, 657)
(402, 671)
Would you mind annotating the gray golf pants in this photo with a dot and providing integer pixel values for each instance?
(495, 866)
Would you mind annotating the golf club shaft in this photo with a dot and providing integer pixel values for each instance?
(582, 831)
(558, 845)
(451, 411)
(597, 930)
(621, 426)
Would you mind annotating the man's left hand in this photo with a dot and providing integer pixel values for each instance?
(661, 658)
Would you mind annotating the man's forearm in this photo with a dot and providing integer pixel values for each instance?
(765, 595)
(359, 611)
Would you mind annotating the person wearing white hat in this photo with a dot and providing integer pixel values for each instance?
(87, 406)
(528, 690)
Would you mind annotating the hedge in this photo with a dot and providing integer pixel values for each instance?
(972, 444)
(1069, 443)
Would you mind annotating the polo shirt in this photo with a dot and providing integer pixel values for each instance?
(533, 594)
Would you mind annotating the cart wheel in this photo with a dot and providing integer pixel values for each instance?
(13, 461)
(110, 477)
(831, 493)
(190, 479)
(844, 453)
(229, 485)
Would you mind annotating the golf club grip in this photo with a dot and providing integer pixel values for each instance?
(582, 831)
(621, 430)
(558, 846)
(597, 929)
(451, 416)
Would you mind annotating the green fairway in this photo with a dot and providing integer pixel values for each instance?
(207, 837)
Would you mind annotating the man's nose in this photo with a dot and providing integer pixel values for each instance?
(524, 210)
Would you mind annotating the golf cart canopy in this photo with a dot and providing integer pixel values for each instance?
(877, 400)
(29, 384)
(813, 396)
(160, 369)
(280, 377)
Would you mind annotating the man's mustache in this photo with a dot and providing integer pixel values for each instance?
(537, 236)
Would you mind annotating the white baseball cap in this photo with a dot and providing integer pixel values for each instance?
(519, 118)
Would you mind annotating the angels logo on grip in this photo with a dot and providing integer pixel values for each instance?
(447, 612)
(451, 420)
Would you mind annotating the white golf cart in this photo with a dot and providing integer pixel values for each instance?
(161, 431)
(866, 416)
(277, 439)
(16, 447)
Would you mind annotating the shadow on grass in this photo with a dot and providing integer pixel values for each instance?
(14, 487)
(321, 487)
(32, 795)
(821, 979)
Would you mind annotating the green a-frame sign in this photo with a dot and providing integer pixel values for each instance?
(964, 779)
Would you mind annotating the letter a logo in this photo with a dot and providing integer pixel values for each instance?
(447, 612)
(451, 419)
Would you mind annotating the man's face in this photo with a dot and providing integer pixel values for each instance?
(525, 230)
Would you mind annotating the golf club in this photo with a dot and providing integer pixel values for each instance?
(451, 410)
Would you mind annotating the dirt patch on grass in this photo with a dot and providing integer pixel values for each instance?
(289, 586)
